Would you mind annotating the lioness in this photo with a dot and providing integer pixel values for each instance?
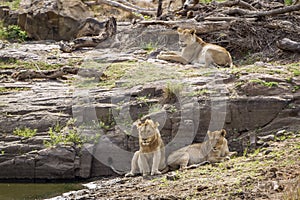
(196, 51)
(215, 149)
(151, 152)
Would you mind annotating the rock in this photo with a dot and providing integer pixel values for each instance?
(267, 138)
(268, 151)
(8, 16)
(86, 161)
(172, 176)
(280, 133)
(52, 19)
(201, 187)
(2, 45)
(55, 163)
(277, 187)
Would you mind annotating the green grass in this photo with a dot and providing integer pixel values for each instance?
(130, 74)
(264, 83)
(200, 92)
(13, 89)
(172, 90)
(295, 69)
(20, 64)
(149, 46)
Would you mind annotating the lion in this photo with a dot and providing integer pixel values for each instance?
(213, 150)
(196, 51)
(151, 152)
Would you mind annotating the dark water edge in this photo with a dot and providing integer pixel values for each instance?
(31, 191)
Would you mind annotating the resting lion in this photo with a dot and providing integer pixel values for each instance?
(196, 51)
(214, 149)
(151, 152)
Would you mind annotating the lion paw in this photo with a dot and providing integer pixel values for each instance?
(155, 173)
(130, 174)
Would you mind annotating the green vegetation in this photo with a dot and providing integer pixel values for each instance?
(20, 64)
(142, 99)
(173, 109)
(12, 89)
(145, 17)
(128, 74)
(147, 72)
(114, 72)
(294, 68)
(155, 108)
(200, 92)
(288, 71)
(69, 135)
(12, 33)
(172, 90)
(264, 83)
(296, 87)
(25, 132)
(13, 4)
(288, 2)
(149, 46)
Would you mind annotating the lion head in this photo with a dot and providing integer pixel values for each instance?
(216, 139)
(148, 132)
(186, 37)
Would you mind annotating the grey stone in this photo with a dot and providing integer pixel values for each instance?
(267, 138)
(52, 19)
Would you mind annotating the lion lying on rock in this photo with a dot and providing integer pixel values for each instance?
(214, 149)
(151, 155)
(196, 51)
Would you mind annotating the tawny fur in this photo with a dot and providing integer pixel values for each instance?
(196, 51)
(215, 149)
(151, 152)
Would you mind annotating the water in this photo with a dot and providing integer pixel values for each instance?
(30, 191)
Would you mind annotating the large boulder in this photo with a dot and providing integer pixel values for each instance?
(52, 19)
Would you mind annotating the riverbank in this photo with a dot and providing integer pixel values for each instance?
(271, 172)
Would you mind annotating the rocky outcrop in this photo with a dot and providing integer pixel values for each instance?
(246, 101)
(52, 19)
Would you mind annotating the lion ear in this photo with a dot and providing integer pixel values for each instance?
(223, 132)
(193, 31)
(138, 123)
(209, 133)
(180, 30)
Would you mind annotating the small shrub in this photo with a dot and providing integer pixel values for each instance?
(288, 2)
(13, 4)
(149, 46)
(172, 91)
(69, 134)
(25, 132)
(13, 33)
